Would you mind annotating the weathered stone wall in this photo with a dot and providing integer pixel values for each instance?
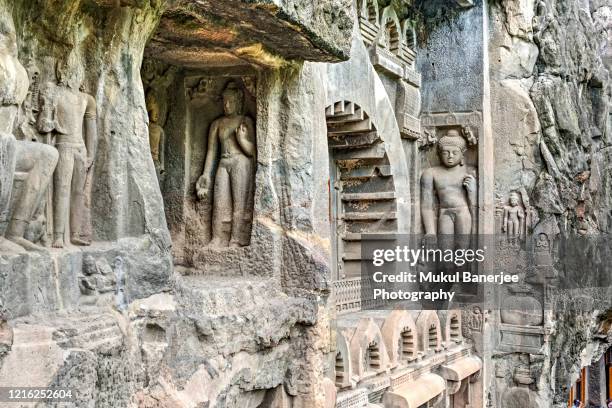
(450, 57)
(112, 320)
(550, 94)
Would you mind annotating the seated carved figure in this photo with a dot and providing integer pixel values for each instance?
(454, 186)
(231, 159)
(35, 160)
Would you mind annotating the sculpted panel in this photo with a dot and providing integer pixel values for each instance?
(157, 136)
(514, 216)
(58, 145)
(449, 191)
(157, 80)
(70, 115)
(227, 181)
(32, 162)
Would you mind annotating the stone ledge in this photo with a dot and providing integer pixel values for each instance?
(53, 280)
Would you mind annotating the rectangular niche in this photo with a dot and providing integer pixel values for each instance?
(220, 176)
(451, 187)
(447, 126)
(218, 172)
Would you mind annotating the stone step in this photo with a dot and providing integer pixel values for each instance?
(352, 256)
(353, 140)
(88, 320)
(376, 206)
(340, 108)
(367, 216)
(29, 335)
(377, 196)
(372, 226)
(344, 128)
(84, 326)
(347, 118)
(83, 340)
(104, 345)
(366, 171)
(355, 236)
(376, 151)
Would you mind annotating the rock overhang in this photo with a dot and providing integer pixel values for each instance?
(266, 33)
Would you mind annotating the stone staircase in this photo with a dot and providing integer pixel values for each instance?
(365, 200)
(99, 333)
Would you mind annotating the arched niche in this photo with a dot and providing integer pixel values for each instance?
(400, 334)
(430, 333)
(357, 81)
(369, 11)
(367, 349)
(450, 321)
(391, 31)
(342, 362)
(409, 34)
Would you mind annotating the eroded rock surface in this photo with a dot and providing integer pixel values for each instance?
(550, 83)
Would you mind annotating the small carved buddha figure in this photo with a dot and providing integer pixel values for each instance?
(513, 217)
(543, 255)
(230, 159)
(34, 160)
(156, 137)
(71, 115)
(454, 186)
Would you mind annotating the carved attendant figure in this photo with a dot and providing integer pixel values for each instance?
(35, 160)
(454, 186)
(156, 137)
(68, 112)
(232, 137)
(513, 217)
